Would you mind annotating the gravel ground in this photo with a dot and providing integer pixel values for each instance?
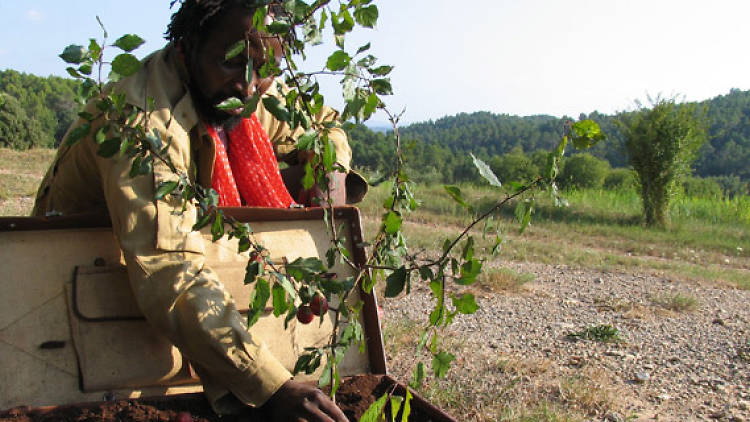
(670, 365)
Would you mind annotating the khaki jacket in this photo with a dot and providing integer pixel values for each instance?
(176, 292)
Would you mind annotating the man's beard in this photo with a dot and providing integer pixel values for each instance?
(206, 108)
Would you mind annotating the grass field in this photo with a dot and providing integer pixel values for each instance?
(706, 240)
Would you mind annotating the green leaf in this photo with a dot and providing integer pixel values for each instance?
(382, 86)
(78, 133)
(285, 284)
(307, 140)
(455, 193)
(274, 106)
(586, 134)
(95, 50)
(425, 273)
(202, 221)
(217, 229)
(417, 376)
(308, 180)
(342, 23)
(468, 252)
(407, 405)
(437, 313)
(329, 156)
(338, 60)
(325, 376)
(85, 68)
(305, 268)
(235, 49)
(469, 272)
(374, 412)
(380, 70)
(252, 270)
(396, 282)
(74, 54)
(441, 363)
(126, 64)
(129, 42)
(279, 28)
(164, 189)
(109, 147)
(392, 222)
(251, 105)
(485, 171)
(262, 294)
(73, 72)
(303, 363)
(396, 402)
(367, 16)
(101, 135)
(154, 140)
(363, 48)
(523, 214)
(465, 304)
(232, 103)
(280, 304)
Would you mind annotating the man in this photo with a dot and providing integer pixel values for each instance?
(164, 256)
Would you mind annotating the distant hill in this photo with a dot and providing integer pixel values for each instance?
(485, 134)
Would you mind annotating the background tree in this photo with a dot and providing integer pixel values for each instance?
(17, 130)
(662, 143)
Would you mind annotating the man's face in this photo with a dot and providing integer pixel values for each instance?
(214, 79)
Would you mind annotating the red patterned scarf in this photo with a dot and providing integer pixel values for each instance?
(249, 175)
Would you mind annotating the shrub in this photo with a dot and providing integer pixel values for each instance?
(620, 179)
(514, 166)
(583, 171)
(701, 188)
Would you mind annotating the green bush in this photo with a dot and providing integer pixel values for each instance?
(620, 179)
(583, 171)
(697, 187)
(514, 166)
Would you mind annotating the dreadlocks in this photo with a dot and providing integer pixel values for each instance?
(195, 17)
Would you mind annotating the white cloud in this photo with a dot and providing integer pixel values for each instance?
(34, 15)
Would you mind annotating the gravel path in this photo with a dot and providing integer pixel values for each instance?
(670, 365)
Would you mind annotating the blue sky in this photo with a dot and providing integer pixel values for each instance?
(515, 57)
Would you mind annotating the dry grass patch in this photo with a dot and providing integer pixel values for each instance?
(591, 393)
(520, 366)
(677, 302)
(498, 280)
(627, 308)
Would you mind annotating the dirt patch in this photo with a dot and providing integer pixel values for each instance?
(355, 395)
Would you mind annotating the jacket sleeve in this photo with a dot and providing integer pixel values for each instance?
(176, 292)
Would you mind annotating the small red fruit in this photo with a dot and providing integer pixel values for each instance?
(319, 305)
(183, 417)
(305, 314)
(256, 256)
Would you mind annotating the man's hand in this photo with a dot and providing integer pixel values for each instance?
(298, 402)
